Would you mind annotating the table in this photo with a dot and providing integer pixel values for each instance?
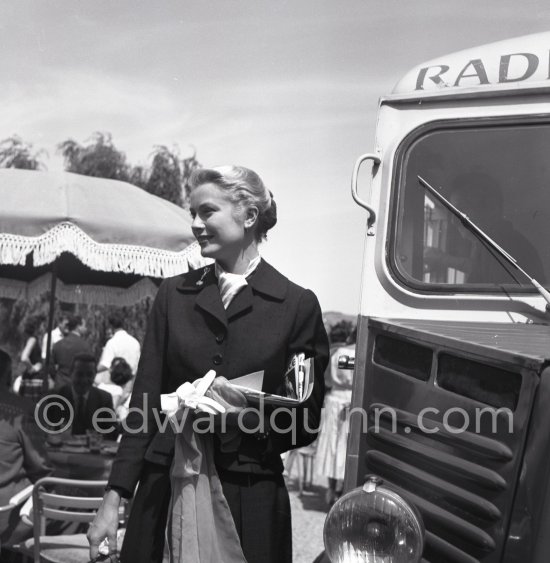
(73, 461)
(78, 462)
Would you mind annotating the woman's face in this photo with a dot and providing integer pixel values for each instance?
(218, 223)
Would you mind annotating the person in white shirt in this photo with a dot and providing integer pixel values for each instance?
(60, 331)
(120, 387)
(120, 345)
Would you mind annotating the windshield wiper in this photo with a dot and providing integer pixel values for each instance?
(485, 238)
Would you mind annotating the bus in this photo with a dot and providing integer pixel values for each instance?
(451, 397)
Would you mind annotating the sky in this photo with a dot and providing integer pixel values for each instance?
(289, 88)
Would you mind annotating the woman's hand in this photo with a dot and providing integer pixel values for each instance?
(231, 398)
(105, 524)
(226, 394)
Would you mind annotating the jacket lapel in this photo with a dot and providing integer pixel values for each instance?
(209, 300)
(203, 282)
(241, 302)
(265, 280)
(268, 281)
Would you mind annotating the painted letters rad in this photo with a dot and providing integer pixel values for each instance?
(515, 67)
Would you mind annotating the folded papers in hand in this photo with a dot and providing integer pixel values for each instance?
(298, 384)
(191, 395)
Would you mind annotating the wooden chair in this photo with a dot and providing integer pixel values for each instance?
(66, 507)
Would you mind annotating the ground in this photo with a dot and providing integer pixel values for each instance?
(308, 517)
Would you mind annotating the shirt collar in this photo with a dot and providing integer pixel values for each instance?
(264, 279)
(252, 265)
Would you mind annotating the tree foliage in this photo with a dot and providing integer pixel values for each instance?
(15, 153)
(138, 176)
(99, 158)
(166, 176)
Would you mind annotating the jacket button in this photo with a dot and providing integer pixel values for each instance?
(219, 338)
(217, 359)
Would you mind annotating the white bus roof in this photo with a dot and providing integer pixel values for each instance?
(514, 64)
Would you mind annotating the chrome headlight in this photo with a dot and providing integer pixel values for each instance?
(373, 524)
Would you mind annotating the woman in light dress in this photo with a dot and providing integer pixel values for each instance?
(330, 457)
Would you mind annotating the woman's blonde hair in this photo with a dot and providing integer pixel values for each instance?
(243, 186)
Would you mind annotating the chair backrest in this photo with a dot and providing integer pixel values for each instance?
(69, 500)
(14, 502)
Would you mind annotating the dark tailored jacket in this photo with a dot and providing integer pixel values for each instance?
(23, 457)
(189, 333)
(63, 353)
(97, 399)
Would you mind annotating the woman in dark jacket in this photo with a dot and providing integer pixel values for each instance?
(250, 320)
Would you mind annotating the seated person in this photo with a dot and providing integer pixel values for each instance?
(120, 387)
(119, 345)
(87, 399)
(23, 459)
(121, 374)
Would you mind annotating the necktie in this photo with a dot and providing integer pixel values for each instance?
(79, 424)
(230, 284)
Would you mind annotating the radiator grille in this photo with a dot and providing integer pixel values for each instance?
(452, 479)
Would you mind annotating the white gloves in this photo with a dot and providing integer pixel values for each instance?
(191, 395)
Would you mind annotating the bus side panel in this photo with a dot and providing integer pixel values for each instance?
(528, 538)
(464, 483)
(355, 453)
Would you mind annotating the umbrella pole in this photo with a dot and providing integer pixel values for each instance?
(50, 327)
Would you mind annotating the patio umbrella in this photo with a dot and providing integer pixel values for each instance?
(89, 239)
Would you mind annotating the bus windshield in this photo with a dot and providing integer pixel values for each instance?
(499, 176)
